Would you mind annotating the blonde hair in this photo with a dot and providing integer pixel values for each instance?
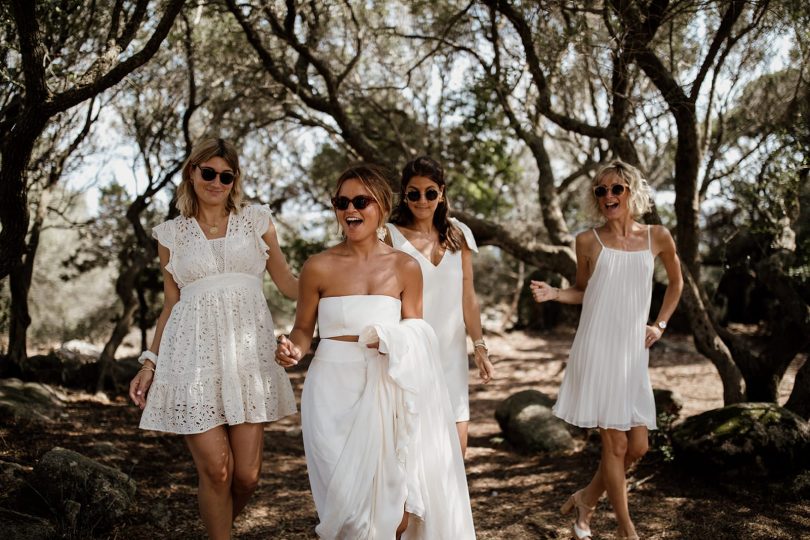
(204, 150)
(375, 180)
(639, 201)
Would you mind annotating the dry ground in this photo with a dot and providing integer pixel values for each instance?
(514, 496)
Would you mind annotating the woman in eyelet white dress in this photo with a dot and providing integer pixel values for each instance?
(215, 378)
(443, 246)
(606, 383)
(382, 452)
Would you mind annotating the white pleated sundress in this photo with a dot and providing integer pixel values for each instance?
(606, 382)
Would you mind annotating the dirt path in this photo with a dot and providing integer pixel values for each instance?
(514, 496)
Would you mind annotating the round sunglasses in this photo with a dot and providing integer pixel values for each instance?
(615, 189)
(430, 195)
(360, 202)
(208, 174)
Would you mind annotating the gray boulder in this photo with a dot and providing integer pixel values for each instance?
(527, 423)
(12, 479)
(33, 403)
(752, 439)
(17, 526)
(87, 494)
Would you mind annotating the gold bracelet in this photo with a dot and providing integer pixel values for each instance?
(480, 344)
(147, 368)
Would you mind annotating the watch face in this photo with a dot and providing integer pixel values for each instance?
(662, 325)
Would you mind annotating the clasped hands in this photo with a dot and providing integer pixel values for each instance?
(288, 354)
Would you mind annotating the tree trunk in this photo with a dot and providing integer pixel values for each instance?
(143, 308)
(708, 342)
(20, 284)
(125, 288)
(20, 319)
(799, 400)
(17, 147)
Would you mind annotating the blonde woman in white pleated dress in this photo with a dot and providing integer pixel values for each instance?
(212, 357)
(606, 383)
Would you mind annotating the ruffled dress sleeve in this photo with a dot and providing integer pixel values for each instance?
(260, 218)
(468, 235)
(165, 234)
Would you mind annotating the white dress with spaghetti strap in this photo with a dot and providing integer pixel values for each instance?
(216, 360)
(442, 308)
(606, 382)
(379, 434)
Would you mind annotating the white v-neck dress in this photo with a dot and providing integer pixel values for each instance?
(216, 359)
(442, 290)
(606, 382)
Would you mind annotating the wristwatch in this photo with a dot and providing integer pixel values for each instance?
(662, 325)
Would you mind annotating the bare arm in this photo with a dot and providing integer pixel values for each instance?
(472, 317)
(277, 265)
(139, 386)
(411, 276)
(543, 292)
(664, 247)
(291, 350)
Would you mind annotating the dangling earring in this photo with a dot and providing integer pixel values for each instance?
(381, 233)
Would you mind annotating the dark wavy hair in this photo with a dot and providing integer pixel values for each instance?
(449, 235)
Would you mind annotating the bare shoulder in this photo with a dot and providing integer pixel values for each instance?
(316, 265)
(405, 262)
(662, 240)
(586, 241)
(660, 233)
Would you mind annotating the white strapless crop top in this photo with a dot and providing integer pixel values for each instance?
(349, 315)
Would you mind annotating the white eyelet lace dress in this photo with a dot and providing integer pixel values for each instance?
(606, 382)
(443, 309)
(216, 361)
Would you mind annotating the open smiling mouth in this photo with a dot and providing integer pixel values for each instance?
(611, 205)
(353, 222)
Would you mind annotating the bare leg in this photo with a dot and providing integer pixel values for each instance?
(462, 428)
(403, 525)
(212, 457)
(247, 444)
(637, 445)
(614, 453)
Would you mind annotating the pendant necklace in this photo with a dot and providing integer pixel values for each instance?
(212, 229)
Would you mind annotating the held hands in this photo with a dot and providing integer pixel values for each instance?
(543, 292)
(485, 368)
(287, 353)
(651, 335)
(140, 384)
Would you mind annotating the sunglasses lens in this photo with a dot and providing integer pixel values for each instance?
(600, 191)
(413, 196)
(431, 194)
(226, 178)
(617, 189)
(341, 203)
(208, 174)
(360, 202)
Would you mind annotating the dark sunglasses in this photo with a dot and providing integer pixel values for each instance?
(615, 189)
(430, 195)
(208, 174)
(360, 202)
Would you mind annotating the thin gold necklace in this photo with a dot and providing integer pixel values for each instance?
(212, 229)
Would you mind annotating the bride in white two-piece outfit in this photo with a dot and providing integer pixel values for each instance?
(382, 452)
